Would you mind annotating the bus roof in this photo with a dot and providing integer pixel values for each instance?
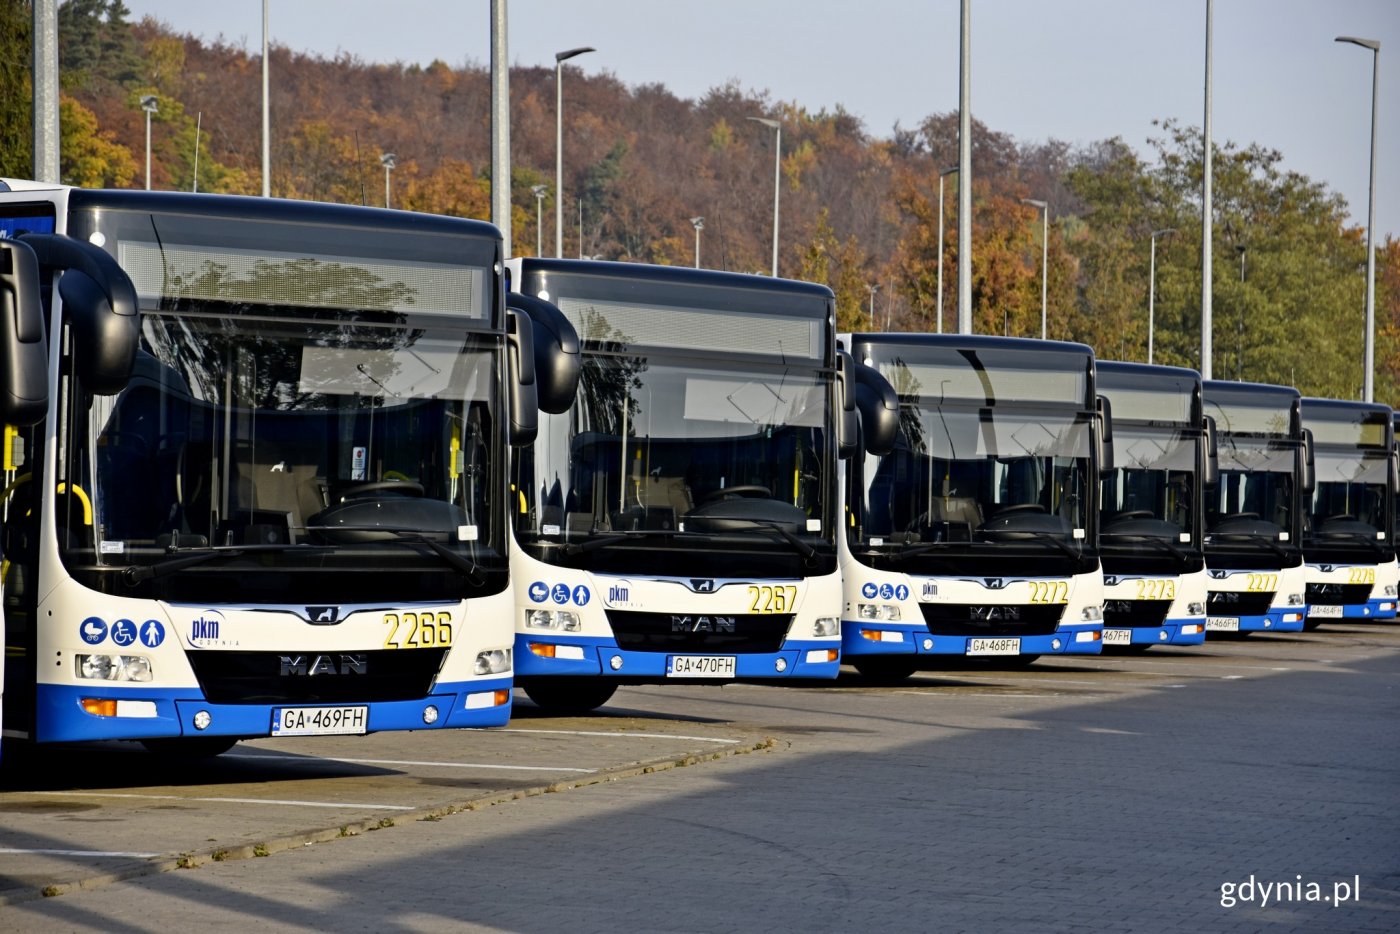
(967, 341)
(675, 275)
(1122, 371)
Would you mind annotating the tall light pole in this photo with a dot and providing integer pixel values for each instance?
(539, 192)
(1240, 248)
(559, 59)
(45, 85)
(1044, 255)
(941, 175)
(500, 127)
(699, 224)
(266, 121)
(965, 170)
(150, 104)
(777, 178)
(1152, 287)
(1207, 215)
(1368, 380)
(873, 289)
(389, 160)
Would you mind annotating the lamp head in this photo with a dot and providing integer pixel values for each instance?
(766, 121)
(389, 160)
(699, 222)
(150, 103)
(1373, 44)
(570, 53)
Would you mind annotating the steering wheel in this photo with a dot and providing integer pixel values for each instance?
(117, 438)
(1133, 514)
(1339, 517)
(751, 489)
(407, 487)
(1019, 507)
(1240, 515)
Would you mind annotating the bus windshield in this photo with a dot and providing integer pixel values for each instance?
(668, 451)
(1350, 492)
(1151, 487)
(1256, 493)
(960, 475)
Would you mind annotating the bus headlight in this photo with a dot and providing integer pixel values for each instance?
(1092, 613)
(886, 611)
(828, 626)
(493, 661)
(558, 620)
(1195, 609)
(1390, 590)
(113, 667)
(1295, 599)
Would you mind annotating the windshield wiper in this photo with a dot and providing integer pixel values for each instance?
(475, 576)
(1274, 546)
(1164, 543)
(1363, 537)
(1047, 537)
(616, 538)
(189, 557)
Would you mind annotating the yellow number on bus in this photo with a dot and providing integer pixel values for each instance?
(1049, 591)
(1362, 575)
(409, 630)
(1156, 589)
(772, 599)
(1262, 583)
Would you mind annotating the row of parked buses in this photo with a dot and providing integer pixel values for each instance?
(281, 468)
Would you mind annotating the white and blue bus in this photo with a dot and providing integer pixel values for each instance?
(679, 521)
(1254, 515)
(977, 534)
(283, 512)
(1349, 531)
(1151, 533)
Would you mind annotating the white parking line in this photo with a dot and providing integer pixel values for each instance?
(96, 854)
(698, 739)
(445, 765)
(298, 804)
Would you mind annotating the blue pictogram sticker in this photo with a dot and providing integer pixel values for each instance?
(560, 593)
(539, 591)
(93, 630)
(123, 632)
(887, 591)
(868, 590)
(901, 592)
(152, 633)
(581, 595)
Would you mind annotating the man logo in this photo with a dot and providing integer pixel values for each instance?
(300, 666)
(702, 623)
(994, 612)
(323, 615)
(702, 584)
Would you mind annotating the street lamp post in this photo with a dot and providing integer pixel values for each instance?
(1044, 255)
(1368, 380)
(941, 175)
(873, 289)
(149, 104)
(266, 116)
(699, 224)
(389, 160)
(1240, 248)
(539, 191)
(777, 178)
(1152, 287)
(559, 59)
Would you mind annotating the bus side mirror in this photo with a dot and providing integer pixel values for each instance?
(1308, 467)
(1211, 476)
(521, 385)
(100, 304)
(558, 362)
(846, 427)
(1104, 416)
(878, 406)
(1394, 470)
(24, 357)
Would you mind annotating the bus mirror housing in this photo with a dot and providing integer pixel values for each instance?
(846, 427)
(1394, 470)
(1104, 415)
(99, 302)
(558, 362)
(521, 385)
(878, 406)
(1211, 476)
(1307, 466)
(23, 350)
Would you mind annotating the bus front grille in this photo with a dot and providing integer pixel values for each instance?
(1338, 594)
(970, 619)
(1238, 603)
(699, 632)
(1136, 614)
(316, 677)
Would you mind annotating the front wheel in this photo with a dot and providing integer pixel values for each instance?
(885, 667)
(570, 696)
(190, 747)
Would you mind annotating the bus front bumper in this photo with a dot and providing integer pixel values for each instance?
(583, 656)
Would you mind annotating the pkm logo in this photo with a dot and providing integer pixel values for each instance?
(204, 630)
(618, 593)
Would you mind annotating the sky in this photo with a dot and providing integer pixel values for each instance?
(1073, 70)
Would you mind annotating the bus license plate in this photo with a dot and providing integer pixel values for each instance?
(993, 646)
(319, 721)
(701, 666)
(1334, 611)
(1117, 637)
(1222, 624)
